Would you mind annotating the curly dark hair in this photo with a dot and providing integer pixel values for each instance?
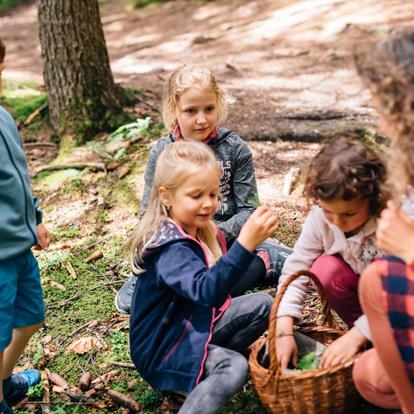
(345, 169)
(2, 50)
(388, 70)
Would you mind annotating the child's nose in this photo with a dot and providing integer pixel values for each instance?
(201, 118)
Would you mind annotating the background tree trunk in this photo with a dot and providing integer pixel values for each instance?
(83, 98)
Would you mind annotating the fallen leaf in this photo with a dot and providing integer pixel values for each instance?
(57, 285)
(84, 345)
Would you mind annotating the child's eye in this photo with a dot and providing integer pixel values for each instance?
(350, 214)
(195, 196)
(190, 111)
(210, 109)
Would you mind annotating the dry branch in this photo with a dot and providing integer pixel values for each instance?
(122, 364)
(46, 393)
(94, 166)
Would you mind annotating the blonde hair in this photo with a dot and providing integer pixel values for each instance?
(388, 70)
(175, 164)
(189, 76)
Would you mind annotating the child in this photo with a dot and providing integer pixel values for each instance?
(194, 102)
(21, 300)
(186, 333)
(337, 243)
(385, 375)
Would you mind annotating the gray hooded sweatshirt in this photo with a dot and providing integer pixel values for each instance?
(239, 196)
(19, 212)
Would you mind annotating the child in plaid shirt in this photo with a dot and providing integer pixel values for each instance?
(385, 375)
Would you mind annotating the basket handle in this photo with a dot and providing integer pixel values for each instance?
(327, 315)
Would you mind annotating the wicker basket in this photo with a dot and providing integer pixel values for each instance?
(320, 391)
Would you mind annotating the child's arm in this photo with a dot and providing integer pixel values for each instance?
(244, 191)
(308, 247)
(188, 275)
(395, 233)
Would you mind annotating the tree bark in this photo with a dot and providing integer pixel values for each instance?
(82, 96)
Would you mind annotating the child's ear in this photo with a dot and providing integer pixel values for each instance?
(165, 197)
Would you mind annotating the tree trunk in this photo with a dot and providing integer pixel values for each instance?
(83, 98)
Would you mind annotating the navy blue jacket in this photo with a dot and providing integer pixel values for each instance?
(174, 305)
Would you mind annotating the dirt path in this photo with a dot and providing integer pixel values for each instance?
(288, 63)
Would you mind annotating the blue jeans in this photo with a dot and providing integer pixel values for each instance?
(226, 369)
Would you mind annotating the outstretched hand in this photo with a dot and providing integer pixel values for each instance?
(260, 225)
(395, 233)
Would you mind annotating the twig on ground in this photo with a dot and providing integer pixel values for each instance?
(39, 144)
(46, 393)
(79, 294)
(122, 364)
(91, 165)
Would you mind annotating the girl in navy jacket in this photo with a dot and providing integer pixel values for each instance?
(186, 332)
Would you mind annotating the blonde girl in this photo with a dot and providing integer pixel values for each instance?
(385, 375)
(193, 107)
(186, 332)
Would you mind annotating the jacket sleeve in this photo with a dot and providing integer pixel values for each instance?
(244, 192)
(183, 271)
(149, 175)
(308, 247)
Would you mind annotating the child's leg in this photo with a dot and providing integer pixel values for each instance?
(372, 381)
(341, 286)
(383, 338)
(225, 372)
(21, 337)
(243, 322)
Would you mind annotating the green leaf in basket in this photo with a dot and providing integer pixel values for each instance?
(309, 361)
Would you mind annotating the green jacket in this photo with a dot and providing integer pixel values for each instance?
(19, 211)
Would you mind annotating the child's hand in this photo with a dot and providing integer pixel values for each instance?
(43, 236)
(343, 349)
(286, 348)
(260, 225)
(395, 233)
(286, 351)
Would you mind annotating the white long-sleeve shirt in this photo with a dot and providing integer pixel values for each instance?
(320, 237)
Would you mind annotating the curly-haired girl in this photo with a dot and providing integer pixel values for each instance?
(337, 243)
(385, 375)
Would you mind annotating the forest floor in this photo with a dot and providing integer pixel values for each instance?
(289, 66)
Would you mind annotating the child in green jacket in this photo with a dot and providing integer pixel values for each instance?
(21, 299)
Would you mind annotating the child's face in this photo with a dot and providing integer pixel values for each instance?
(197, 113)
(349, 216)
(194, 203)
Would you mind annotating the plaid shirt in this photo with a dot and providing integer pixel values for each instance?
(398, 288)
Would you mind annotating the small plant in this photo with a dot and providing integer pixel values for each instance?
(36, 391)
(309, 361)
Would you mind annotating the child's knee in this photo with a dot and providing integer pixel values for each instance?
(240, 370)
(372, 382)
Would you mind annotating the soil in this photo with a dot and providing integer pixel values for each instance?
(288, 64)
